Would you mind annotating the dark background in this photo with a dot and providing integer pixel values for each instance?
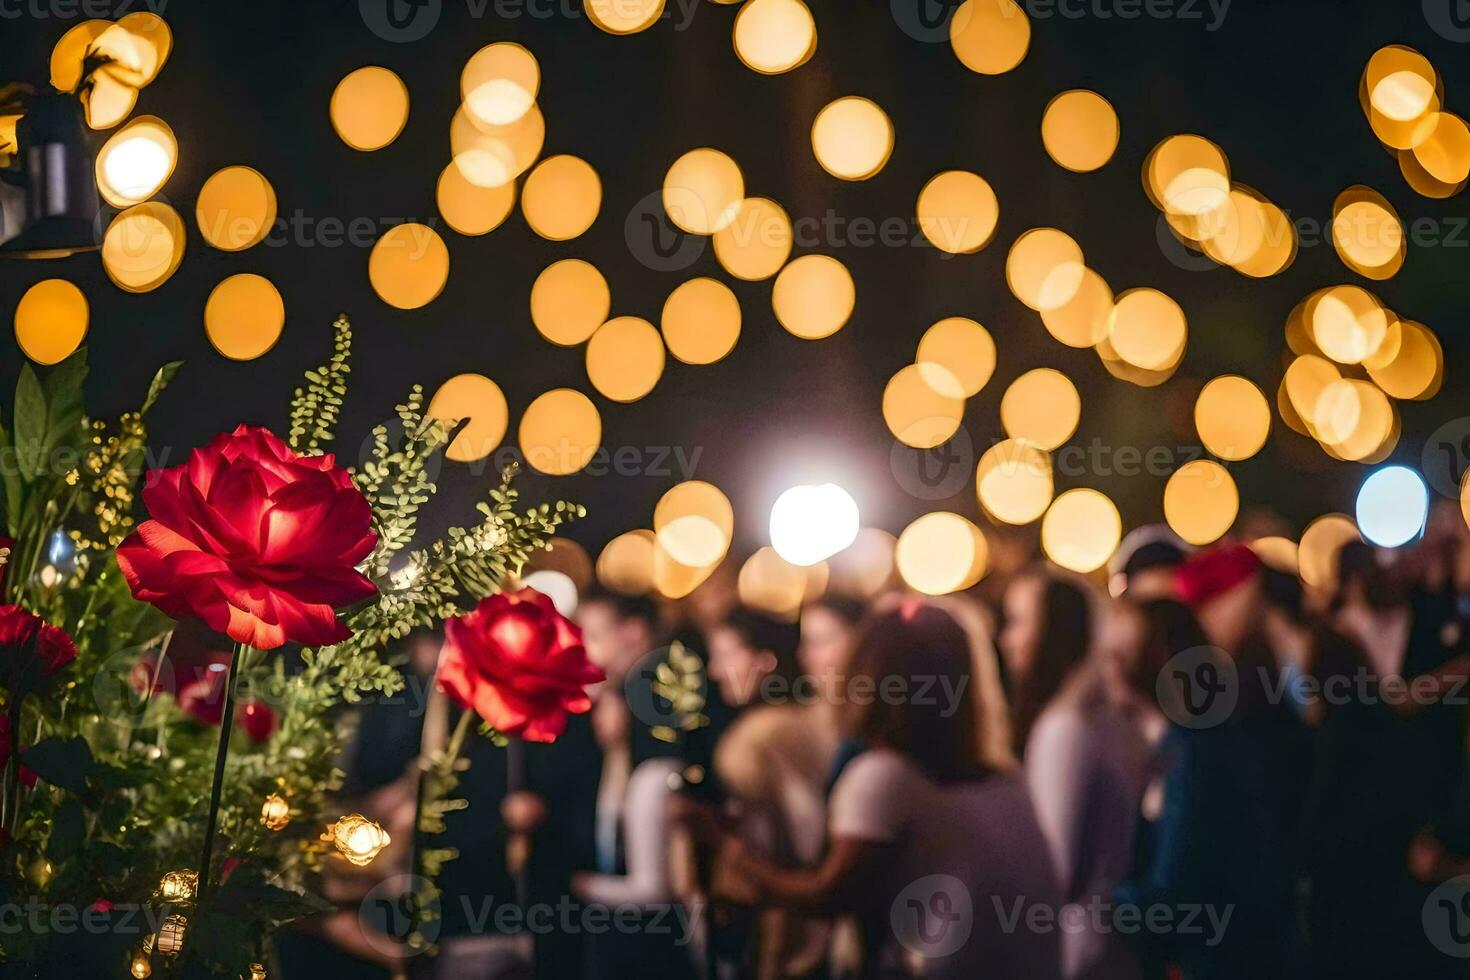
(1275, 85)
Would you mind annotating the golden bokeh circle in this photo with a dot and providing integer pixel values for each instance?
(570, 299)
(1081, 530)
(499, 83)
(1147, 329)
(409, 266)
(1319, 546)
(694, 523)
(560, 432)
(244, 316)
(701, 321)
(369, 108)
(236, 209)
(625, 358)
(940, 553)
(1041, 406)
(1044, 268)
(757, 243)
(703, 191)
(814, 296)
(470, 209)
(957, 211)
(561, 197)
(1014, 481)
(774, 36)
(143, 246)
(965, 352)
(1201, 502)
(990, 37)
(136, 161)
(489, 156)
(624, 16)
(1232, 417)
(479, 403)
(626, 564)
(1082, 321)
(1079, 129)
(916, 413)
(51, 321)
(852, 138)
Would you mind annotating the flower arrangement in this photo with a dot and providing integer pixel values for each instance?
(191, 798)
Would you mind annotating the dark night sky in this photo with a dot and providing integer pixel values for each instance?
(1275, 85)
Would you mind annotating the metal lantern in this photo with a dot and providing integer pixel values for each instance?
(48, 196)
(171, 935)
(179, 886)
(275, 812)
(357, 838)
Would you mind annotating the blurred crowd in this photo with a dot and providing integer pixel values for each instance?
(1189, 766)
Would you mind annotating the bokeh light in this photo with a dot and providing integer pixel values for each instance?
(136, 161)
(866, 567)
(1393, 506)
(244, 316)
(1082, 321)
(369, 108)
(409, 266)
(1079, 129)
(1014, 481)
(570, 299)
(1044, 268)
(143, 246)
(694, 523)
(1081, 530)
(990, 36)
(236, 209)
(813, 296)
(941, 553)
(769, 583)
(470, 209)
(1318, 548)
(703, 191)
(561, 197)
(774, 36)
(51, 321)
(1147, 329)
(852, 138)
(956, 357)
(1233, 417)
(560, 431)
(757, 243)
(626, 564)
(701, 321)
(625, 358)
(1201, 501)
(624, 16)
(1187, 175)
(1041, 406)
(499, 83)
(919, 414)
(479, 403)
(811, 523)
(957, 211)
(489, 156)
(1367, 233)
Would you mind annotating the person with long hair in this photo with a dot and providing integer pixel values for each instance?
(930, 847)
(1087, 764)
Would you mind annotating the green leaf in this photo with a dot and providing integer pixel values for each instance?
(30, 423)
(12, 490)
(63, 762)
(67, 828)
(160, 381)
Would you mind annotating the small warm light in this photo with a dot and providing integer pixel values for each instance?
(479, 402)
(470, 209)
(1278, 553)
(703, 191)
(1201, 501)
(275, 812)
(1445, 154)
(1041, 406)
(673, 579)
(624, 16)
(171, 931)
(369, 108)
(1044, 269)
(774, 36)
(244, 316)
(956, 357)
(499, 83)
(813, 296)
(852, 138)
(140, 967)
(70, 51)
(1187, 175)
(108, 100)
(557, 586)
(812, 523)
(560, 431)
(179, 886)
(1082, 321)
(694, 523)
(1147, 329)
(757, 243)
(1080, 130)
(489, 156)
(957, 211)
(570, 299)
(921, 414)
(136, 47)
(409, 266)
(1393, 506)
(357, 838)
(1367, 233)
(771, 584)
(1320, 543)
(136, 161)
(1414, 368)
(866, 567)
(625, 358)
(990, 36)
(941, 553)
(561, 197)
(1081, 530)
(701, 321)
(1014, 481)
(626, 564)
(1348, 323)
(1400, 83)
(51, 321)
(236, 209)
(1233, 417)
(1305, 380)
(143, 246)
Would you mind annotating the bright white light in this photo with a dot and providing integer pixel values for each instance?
(557, 586)
(1393, 505)
(137, 166)
(813, 523)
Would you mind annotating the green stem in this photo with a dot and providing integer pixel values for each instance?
(226, 723)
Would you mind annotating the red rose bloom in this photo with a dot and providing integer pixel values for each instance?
(260, 543)
(519, 664)
(19, 630)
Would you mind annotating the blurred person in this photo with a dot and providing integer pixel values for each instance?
(618, 631)
(1047, 634)
(752, 657)
(1087, 764)
(1145, 563)
(1226, 837)
(829, 631)
(919, 826)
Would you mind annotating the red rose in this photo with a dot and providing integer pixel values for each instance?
(519, 664)
(260, 543)
(50, 646)
(258, 720)
(27, 777)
